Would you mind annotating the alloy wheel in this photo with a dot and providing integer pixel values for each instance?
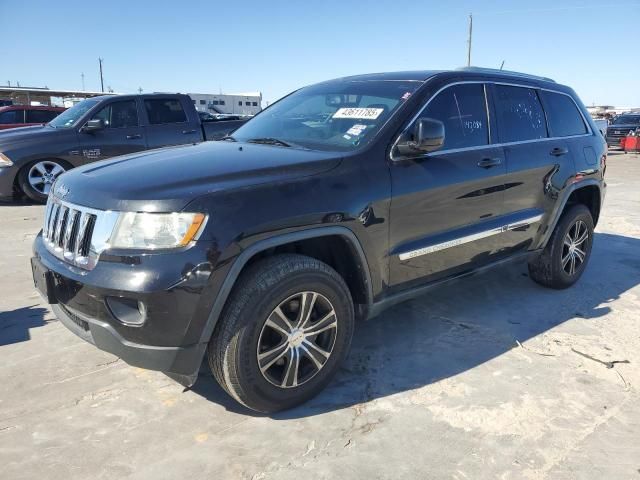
(43, 174)
(574, 247)
(297, 339)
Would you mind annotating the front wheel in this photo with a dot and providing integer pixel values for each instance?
(36, 178)
(565, 257)
(283, 334)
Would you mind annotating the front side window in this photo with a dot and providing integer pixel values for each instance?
(119, 114)
(8, 117)
(70, 117)
(40, 116)
(162, 111)
(333, 116)
(563, 115)
(520, 114)
(463, 111)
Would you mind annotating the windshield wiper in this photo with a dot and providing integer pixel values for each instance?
(228, 138)
(269, 141)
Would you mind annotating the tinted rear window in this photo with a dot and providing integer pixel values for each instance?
(8, 117)
(563, 115)
(520, 114)
(164, 111)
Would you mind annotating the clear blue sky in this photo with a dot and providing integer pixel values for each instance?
(276, 46)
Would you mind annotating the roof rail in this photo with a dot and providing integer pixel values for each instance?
(505, 72)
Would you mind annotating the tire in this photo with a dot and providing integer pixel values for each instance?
(548, 268)
(244, 337)
(45, 170)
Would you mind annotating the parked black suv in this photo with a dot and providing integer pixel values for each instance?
(339, 200)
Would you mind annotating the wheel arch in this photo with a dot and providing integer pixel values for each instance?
(586, 192)
(305, 242)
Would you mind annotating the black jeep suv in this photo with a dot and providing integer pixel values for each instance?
(343, 198)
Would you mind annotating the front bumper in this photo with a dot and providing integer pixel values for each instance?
(168, 340)
(177, 360)
(7, 179)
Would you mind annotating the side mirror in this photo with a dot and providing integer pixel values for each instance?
(93, 125)
(428, 136)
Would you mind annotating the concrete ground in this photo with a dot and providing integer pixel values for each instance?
(491, 377)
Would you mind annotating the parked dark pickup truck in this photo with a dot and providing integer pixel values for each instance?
(620, 126)
(95, 129)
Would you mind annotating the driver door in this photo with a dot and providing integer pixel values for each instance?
(446, 204)
(122, 133)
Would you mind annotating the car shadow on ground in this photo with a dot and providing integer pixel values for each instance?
(15, 324)
(460, 325)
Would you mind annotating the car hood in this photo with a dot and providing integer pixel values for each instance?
(26, 134)
(625, 127)
(169, 178)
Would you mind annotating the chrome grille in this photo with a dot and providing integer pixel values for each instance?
(75, 233)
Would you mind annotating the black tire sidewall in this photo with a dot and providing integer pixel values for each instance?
(255, 315)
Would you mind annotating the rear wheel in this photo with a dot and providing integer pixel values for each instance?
(283, 334)
(36, 178)
(565, 257)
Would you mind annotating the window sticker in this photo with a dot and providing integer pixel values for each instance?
(356, 130)
(363, 113)
(406, 96)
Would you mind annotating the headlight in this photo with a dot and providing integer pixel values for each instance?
(151, 231)
(4, 160)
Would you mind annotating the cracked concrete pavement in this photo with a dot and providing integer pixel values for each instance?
(490, 377)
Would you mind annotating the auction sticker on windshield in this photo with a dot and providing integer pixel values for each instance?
(364, 113)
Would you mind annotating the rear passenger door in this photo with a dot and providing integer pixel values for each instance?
(534, 161)
(168, 123)
(122, 133)
(446, 204)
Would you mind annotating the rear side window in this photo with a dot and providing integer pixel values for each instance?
(520, 115)
(40, 116)
(9, 117)
(164, 111)
(119, 114)
(563, 115)
(462, 109)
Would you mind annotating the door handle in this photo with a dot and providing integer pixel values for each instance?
(134, 137)
(188, 132)
(559, 151)
(489, 162)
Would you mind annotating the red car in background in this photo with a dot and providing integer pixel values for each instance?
(26, 115)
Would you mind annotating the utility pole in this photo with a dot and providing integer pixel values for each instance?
(82, 76)
(101, 79)
(469, 40)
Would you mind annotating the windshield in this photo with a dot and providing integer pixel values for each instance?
(627, 120)
(68, 118)
(334, 116)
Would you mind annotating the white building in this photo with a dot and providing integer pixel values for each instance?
(248, 103)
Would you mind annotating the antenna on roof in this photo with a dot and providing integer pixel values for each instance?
(502, 65)
(469, 40)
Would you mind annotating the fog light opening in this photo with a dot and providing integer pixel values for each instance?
(127, 311)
